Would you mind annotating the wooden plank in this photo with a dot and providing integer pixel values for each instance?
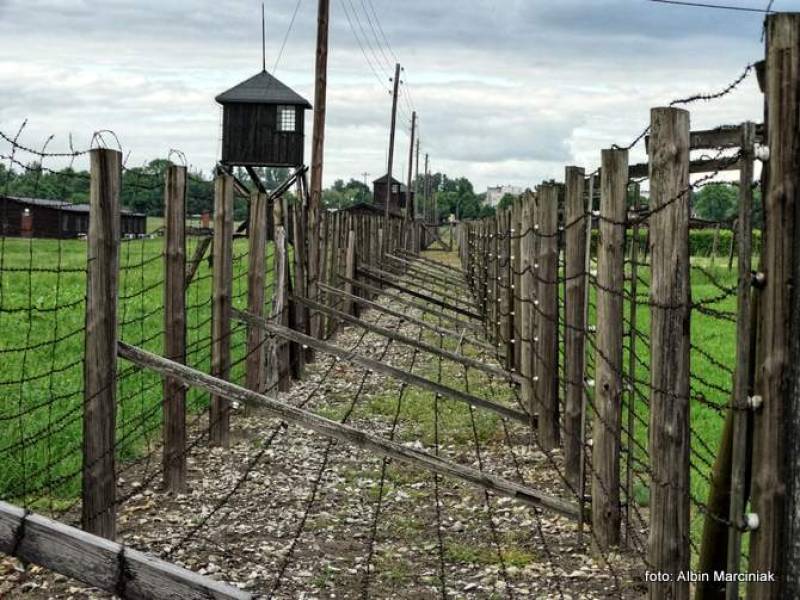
(174, 401)
(668, 549)
(101, 563)
(777, 422)
(346, 433)
(404, 339)
(350, 269)
(222, 291)
(744, 360)
(468, 325)
(406, 317)
(256, 358)
(278, 360)
(100, 367)
(575, 224)
(197, 258)
(547, 354)
(606, 515)
(300, 267)
(704, 165)
(427, 298)
(527, 286)
(380, 367)
(435, 286)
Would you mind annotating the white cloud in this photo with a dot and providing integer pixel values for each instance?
(507, 92)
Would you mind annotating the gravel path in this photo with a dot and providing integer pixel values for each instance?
(307, 518)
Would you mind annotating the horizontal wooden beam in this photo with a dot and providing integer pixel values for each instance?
(379, 367)
(342, 432)
(404, 339)
(725, 136)
(101, 563)
(426, 285)
(430, 299)
(438, 277)
(703, 165)
(461, 335)
(433, 263)
(475, 328)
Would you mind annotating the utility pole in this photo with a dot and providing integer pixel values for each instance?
(416, 178)
(409, 201)
(317, 156)
(365, 175)
(426, 191)
(391, 143)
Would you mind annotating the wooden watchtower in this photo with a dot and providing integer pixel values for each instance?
(263, 124)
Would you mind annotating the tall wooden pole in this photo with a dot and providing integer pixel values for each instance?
(574, 337)
(100, 364)
(222, 284)
(317, 159)
(256, 361)
(392, 128)
(546, 351)
(174, 400)
(670, 310)
(409, 195)
(775, 461)
(606, 515)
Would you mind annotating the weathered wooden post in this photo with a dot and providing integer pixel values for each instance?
(174, 401)
(606, 515)
(574, 322)
(222, 282)
(670, 297)
(350, 271)
(742, 383)
(630, 437)
(726, 495)
(547, 330)
(99, 484)
(302, 314)
(256, 363)
(775, 545)
(526, 329)
(275, 374)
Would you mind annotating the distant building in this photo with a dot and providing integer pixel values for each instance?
(40, 218)
(397, 202)
(495, 194)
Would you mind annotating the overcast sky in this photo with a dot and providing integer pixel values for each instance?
(508, 91)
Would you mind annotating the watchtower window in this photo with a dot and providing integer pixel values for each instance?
(286, 118)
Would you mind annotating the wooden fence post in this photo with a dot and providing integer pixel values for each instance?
(670, 296)
(350, 270)
(526, 330)
(606, 428)
(222, 285)
(256, 363)
(174, 401)
(574, 323)
(547, 330)
(776, 465)
(302, 314)
(277, 375)
(100, 363)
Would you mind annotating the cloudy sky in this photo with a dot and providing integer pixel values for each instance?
(508, 91)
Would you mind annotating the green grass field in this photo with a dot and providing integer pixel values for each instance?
(42, 315)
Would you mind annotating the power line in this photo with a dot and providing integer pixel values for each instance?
(360, 45)
(718, 6)
(375, 57)
(286, 37)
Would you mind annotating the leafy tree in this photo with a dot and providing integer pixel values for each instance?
(716, 202)
(506, 201)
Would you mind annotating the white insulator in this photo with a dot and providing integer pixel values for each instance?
(590, 383)
(592, 328)
(762, 152)
(595, 213)
(536, 340)
(536, 303)
(535, 378)
(755, 402)
(751, 521)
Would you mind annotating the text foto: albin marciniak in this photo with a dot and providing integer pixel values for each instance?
(694, 577)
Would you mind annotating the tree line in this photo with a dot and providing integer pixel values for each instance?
(142, 191)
